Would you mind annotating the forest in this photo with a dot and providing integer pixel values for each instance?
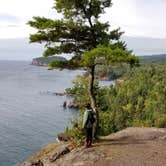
(138, 96)
(137, 99)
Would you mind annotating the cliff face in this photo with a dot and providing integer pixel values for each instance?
(132, 146)
(44, 61)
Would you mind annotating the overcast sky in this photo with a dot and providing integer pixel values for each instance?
(135, 17)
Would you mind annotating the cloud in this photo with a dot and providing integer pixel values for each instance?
(13, 25)
(138, 18)
(15, 31)
(135, 17)
(27, 8)
(15, 14)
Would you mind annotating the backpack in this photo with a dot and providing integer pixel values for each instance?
(91, 117)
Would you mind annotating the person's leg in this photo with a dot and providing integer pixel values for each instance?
(90, 136)
(87, 137)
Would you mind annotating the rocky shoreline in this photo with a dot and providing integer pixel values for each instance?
(132, 146)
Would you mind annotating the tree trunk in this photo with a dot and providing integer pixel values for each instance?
(93, 99)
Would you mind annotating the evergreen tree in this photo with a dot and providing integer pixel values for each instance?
(78, 31)
(82, 34)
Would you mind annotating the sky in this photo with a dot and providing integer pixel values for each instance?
(135, 17)
(139, 17)
(14, 15)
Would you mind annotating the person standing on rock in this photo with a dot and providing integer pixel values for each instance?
(88, 121)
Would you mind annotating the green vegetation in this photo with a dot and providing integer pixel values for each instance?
(137, 101)
(111, 72)
(45, 61)
(140, 99)
(80, 89)
(159, 59)
(81, 33)
(120, 70)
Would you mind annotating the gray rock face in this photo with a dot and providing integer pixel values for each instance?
(132, 146)
(37, 163)
(32, 163)
(139, 133)
(63, 137)
(59, 152)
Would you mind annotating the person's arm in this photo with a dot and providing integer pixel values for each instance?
(85, 118)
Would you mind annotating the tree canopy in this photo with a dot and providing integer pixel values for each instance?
(81, 33)
(78, 31)
(139, 100)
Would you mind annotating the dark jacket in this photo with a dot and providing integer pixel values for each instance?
(86, 123)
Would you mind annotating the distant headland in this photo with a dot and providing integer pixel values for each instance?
(44, 61)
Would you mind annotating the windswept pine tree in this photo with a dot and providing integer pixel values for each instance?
(81, 33)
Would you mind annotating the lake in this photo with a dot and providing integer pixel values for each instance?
(30, 115)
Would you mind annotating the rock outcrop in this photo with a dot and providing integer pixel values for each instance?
(129, 147)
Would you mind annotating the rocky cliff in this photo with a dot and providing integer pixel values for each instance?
(129, 147)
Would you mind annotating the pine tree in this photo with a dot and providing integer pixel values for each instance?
(81, 33)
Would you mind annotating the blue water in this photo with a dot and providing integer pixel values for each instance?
(30, 115)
